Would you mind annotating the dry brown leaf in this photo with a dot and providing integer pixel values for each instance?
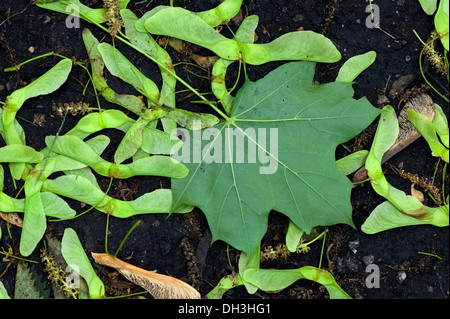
(177, 45)
(159, 286)
(206, 62)
(12, 218)
(417, 194)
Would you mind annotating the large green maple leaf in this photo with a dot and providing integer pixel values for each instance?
(275, 152)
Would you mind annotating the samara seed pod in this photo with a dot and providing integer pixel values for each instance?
(408, 134)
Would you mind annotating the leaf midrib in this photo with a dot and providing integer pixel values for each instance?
(235, 186)
(286, 167)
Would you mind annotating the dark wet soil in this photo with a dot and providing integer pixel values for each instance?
(156, 244)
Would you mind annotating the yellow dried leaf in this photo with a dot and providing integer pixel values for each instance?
(159, 286)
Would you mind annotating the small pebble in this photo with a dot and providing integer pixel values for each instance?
(164, 248)
(407, 58)
(10, 85)
(31, 49)
(353, 245)
(401, 276)
(369, 259)
(347, 265)
(298, 18)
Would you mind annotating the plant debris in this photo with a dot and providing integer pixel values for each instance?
(159, 286)
(407, 134)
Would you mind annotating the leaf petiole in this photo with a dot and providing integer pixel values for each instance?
(17, 67)
(126, 236)
(323, 246)
(428, 254)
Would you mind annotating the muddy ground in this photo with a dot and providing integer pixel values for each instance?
(156, 243)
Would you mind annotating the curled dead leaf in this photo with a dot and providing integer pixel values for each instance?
(203, 61)
(206, 62)
(360, 176)
(159, 286)
(177, 45)
(12, 218)
(417, 194)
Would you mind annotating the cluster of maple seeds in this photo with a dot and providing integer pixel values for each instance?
(112, 16)
(436, 59)
(281, 251)
(57, 275)
(61, 109)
